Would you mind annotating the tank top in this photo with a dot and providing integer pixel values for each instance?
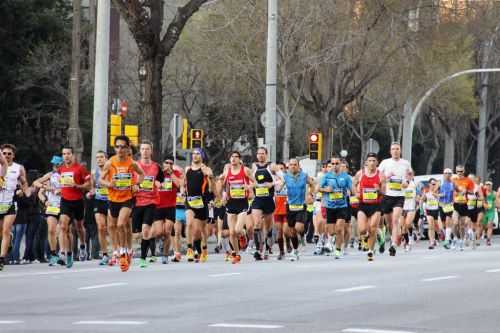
(53, 200)
(432, 201)
(9, 185)
(368, 192)
(196, 188)
(148, 192)
(235, 184)
(263, 175)
(168, 191)
(101, 192)
(280, 201)
(121, 173)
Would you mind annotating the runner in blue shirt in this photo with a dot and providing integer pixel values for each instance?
(446, 204)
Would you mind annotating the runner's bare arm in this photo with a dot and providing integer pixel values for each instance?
(312, 184)
(104, 174)
(383, 181)
(4, 166)
(42, 181)
(23, 182)
(139, 172)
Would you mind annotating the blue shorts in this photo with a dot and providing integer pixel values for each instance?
(180, 215)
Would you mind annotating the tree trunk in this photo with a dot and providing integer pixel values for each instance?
(92, 37)
(407, 130)
(288, 124)
(449, 148)
(434, 151)
(325, 131)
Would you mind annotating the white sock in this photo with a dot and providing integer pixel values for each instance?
(447, 234)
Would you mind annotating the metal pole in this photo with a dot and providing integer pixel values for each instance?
(271, 76)
(174, 137)
(100, 122)
(408, 131)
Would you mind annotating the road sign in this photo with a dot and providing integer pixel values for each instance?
(176, 131)
(373, 146)
(279, 119)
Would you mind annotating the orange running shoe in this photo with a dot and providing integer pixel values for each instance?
(190, 255)
(243, 243)
(204, 255)
(236, 259)
(124, 265)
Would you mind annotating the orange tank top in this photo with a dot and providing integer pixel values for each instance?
(121, 173)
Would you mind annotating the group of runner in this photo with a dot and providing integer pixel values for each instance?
(250, 207)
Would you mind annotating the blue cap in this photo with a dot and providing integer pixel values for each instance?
(56, 160)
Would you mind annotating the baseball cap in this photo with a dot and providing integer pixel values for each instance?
(447, 170)
(56, 160)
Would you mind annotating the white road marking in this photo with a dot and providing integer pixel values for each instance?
(223, 274)
(246, 326)
(371, 330)
(497, 270)
(99, 286)
(109, 322)
(440, 278)
(8, 322)
(346, 290)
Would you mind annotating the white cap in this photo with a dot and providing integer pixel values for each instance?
(447, 170)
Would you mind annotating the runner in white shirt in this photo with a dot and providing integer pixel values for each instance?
(409, 209)
(395, 170)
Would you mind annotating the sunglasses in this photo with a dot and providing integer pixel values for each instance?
(335, 163)
(120, 147)
(433, 184)
(7, 153)
(460, 171)
(448, 173)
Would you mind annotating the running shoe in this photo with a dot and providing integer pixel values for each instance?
(266, 255)
(217, 248)
(236, 259)
(164, 260)
(177, 257)
(143, 263)
(124, 264)
(82, 254)
(281, 256)
(370, 256)
(227, 256)
(257, 256)
(446, 245)
(69, 262)
(104, 261)
(114, 259)
(190, 255)
(381, 241)
(392, 251)
(196, 257)
(318, 251)
(338, 254)
(152, 259)
(204, 255)
(53, 260)
(294, 256)
(2, 264)
(431, 247)
(488, 242)
(461, 245)
(61, 260)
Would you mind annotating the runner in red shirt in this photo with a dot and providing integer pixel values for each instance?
(164, 217)
(74, 179)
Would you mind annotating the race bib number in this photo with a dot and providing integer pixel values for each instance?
(395, 184)
(260, 177)
(353, 200)
(67, 179)
(179, 200)
(432, 204)
(53, 208)
(448, 208)
(295, 208)
(319, 195)
(310, 208)
(336, 195)
(102, 191)
(4, 207)
(167, 185)
(370, 194)
(410, 194)
(237, 191)
(196, 202)
(123, 181)
(262, 191)
(147, 184)
(460, 199)
(479, 203)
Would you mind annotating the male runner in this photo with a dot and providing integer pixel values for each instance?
(199, 181)
(395, 170)
(446, 205)
(462, 186)
(74, 179)
(336, 186)
(486, 223)
(117, 176)
(409, 210)
(165, 211)
(11, 174)
(296, 182)
(280, 200)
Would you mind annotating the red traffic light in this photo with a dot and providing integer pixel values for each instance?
(314, 137)
(197, 134)
(123, 108)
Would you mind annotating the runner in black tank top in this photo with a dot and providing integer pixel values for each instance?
(199, 182)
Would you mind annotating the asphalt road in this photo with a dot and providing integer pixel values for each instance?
(420, 291)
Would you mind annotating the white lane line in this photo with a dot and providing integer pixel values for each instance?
(8, 322)
(245, 326)
(358, 288)
(99, 286)
(497, 270)
(223, 274)
(109, 322)
(440, 278)
(54, 272)
(371, 330)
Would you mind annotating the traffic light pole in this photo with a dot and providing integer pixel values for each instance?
(271, 77)
(100, 120)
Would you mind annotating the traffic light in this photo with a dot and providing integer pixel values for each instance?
(315, 144)
(123, 108)
(196, 138)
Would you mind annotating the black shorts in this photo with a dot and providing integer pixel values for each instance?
(115, 207)
(334, 214)
(444, 215)
(10, 211)
(354, 212)
(101, 207)
(388, 203)
(236, 206)
(432, 213)
(164, 213)
(265, 204)
(73, 209)
(461, 209)
(199, 213)
(473, 214)
(293, 217)
(142, 215)
(369, 210)
(219, 212)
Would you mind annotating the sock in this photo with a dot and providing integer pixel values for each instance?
(281, 245)
(197, 245)
(295, 242)
(82, 246)
(69, 254)
(316, 239)
(406, 237)
(152, 246)
(144, 248)
(53, 253)
(257, 240)
(105, 254)
(447, 234)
